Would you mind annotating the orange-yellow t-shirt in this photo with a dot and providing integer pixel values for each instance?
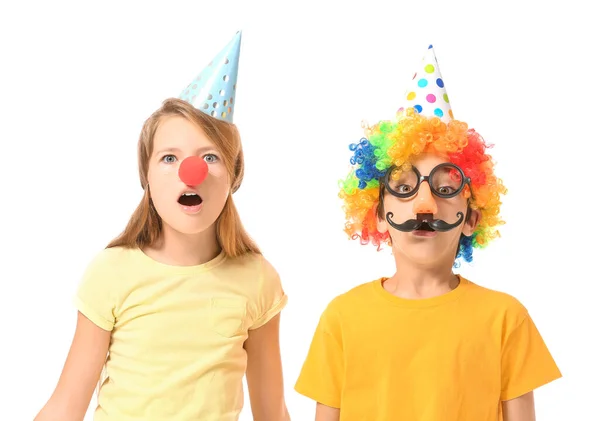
(453, 357)
(176, 351)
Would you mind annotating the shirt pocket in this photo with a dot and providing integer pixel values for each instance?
(227, 316)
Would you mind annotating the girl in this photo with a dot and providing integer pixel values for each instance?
(182, 302)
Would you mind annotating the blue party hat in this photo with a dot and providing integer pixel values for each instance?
(427, 92)
(213, 90)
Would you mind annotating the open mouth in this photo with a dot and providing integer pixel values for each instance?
(190, 199)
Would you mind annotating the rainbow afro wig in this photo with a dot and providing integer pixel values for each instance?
(426, 125)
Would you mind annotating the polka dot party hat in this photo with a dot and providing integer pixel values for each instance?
(427, 91)
(213, 89)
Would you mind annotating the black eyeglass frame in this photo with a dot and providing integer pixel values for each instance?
(420, 178)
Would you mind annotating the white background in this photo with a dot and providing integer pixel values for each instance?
(78, 80)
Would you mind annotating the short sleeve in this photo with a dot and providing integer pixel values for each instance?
(526, 361)
(322, 373)
(95, 297)
(271, 296)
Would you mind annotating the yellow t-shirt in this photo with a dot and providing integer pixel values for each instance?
(177, 332)
(453, 357)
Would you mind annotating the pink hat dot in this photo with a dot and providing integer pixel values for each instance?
(430, 98)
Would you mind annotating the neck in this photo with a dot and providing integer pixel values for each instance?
(415, 280)
(175, 248)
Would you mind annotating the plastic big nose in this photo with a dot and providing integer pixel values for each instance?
(424, 203)
(193, 170)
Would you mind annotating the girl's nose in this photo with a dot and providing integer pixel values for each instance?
(193, 170)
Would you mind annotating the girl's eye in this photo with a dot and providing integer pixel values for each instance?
(169, 159)
(210, 158)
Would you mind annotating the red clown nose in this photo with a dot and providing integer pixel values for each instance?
(193, 170)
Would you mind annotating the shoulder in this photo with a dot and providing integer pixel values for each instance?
(111, 266)
(350, 300)
(498, 303)
(249, 266)
(356, 294)
(117, 254)
(100, 288)
(253, 270)
(109, 259)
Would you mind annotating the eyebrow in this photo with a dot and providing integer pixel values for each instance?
(177, 150)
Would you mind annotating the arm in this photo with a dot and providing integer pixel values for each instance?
(519, 409)
(327, 413)
(264, 373)
(72, 395)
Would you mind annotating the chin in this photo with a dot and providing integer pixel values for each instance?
(427, 254)
(420, 259)
(190, 230)
(190, 227)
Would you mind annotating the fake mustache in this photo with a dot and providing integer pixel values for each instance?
(420, 223)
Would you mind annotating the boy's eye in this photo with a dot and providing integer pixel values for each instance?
(446, 190)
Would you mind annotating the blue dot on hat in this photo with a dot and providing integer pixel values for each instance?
(440, 82)
(430, 47)
(418, 108)
(438, 112)
(422, 83)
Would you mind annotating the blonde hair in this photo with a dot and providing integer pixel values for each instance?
(145, 225)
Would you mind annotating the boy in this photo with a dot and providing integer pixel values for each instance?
(424, 344)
